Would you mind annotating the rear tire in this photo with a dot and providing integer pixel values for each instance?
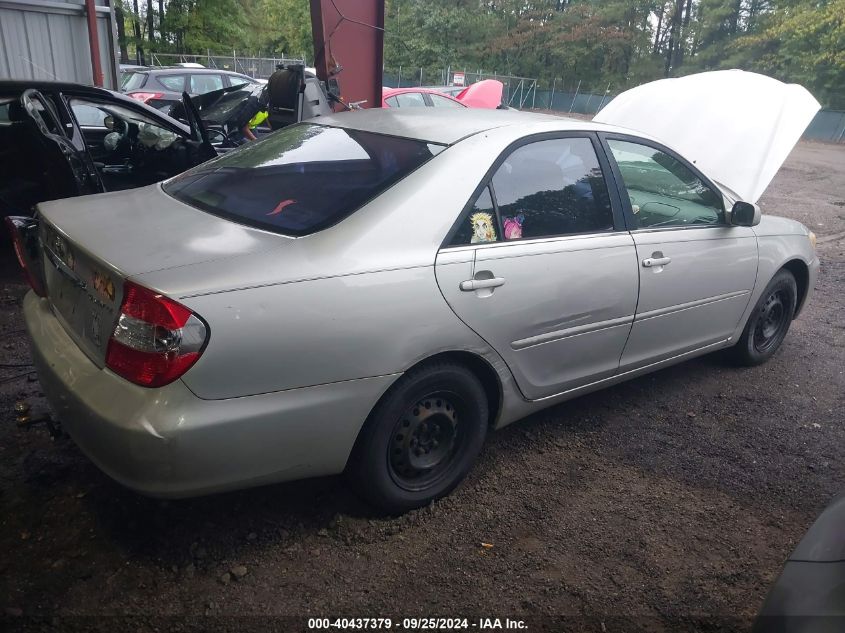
(769, 321)
(421, 439)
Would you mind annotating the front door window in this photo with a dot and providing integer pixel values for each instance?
(664, 192)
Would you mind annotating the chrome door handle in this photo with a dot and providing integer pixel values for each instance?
(648, 262)
(480, 284)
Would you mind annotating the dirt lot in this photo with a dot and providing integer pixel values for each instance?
(666, 503)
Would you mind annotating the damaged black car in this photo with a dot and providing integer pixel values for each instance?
(59, 140)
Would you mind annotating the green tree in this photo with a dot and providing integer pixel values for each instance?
(804, 42)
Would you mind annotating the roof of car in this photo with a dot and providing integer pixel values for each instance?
(446, 89)
(441, 125)
(387, 90)
(17, 86)
(190, 69)
(10, 85)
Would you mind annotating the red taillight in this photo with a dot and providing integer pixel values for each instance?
(145, 96)
(20, 251)
(156, 339)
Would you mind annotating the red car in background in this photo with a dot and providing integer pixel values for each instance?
(482, 94)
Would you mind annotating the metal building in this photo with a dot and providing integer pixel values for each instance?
(50, 39)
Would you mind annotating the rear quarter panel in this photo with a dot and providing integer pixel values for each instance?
(321, 331)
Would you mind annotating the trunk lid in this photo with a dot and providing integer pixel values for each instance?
(737, 127)
(91, 244)
(84, 293)
(482, 94)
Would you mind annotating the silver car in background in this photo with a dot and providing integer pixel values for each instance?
(372, 293)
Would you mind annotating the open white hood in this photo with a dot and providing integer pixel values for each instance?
(737, 127)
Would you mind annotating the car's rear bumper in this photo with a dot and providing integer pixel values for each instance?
(168, 442)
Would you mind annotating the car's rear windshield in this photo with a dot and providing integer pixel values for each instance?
(302, 178)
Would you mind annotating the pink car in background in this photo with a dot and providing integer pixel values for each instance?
(482, 94)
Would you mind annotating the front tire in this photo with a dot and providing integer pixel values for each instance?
(769, 321)
(421, 439)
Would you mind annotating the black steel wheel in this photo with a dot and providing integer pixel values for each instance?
(422, 438)
(773, 320)
(425, 440)
(769, 321)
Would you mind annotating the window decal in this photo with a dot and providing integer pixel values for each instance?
(513, 226)
(483, 229)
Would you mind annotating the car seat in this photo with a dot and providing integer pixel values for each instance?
(285, 88)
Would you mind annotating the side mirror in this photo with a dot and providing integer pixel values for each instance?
(745, 214)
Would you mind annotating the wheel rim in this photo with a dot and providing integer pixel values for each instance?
(425, 440)
(772, 321)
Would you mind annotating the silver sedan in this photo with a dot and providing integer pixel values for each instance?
(375, 291)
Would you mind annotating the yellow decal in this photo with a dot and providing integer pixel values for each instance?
(104, 285)
(482, 228)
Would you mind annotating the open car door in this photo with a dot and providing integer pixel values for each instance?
(737, 127)
(221, 114)
(201, 148)
(40, 158)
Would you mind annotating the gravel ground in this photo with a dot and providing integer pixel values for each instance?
(666, 503)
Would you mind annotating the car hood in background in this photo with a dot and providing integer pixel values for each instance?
(737, 127)
(482, 94)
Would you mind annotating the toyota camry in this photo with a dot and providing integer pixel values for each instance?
(374, 292)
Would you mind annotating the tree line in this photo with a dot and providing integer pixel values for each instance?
(617, 42)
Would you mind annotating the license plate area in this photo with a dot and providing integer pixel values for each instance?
(83, 294)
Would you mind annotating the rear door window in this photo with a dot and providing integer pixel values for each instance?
(175, 83)
(541, 189)
(238, 80)
(302, 178)
(553, 187)
(200, 84)
(444, 102)
(410, 100)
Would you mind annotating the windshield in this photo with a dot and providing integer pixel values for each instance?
(301, 179)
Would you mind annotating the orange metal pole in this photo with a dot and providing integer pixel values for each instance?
(94, 43)
(349, 37)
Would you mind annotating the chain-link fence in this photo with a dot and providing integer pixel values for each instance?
(828, 125)
(575, 97)
(566, 96)
(518, 92)
(257, 67)
(560, 95)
